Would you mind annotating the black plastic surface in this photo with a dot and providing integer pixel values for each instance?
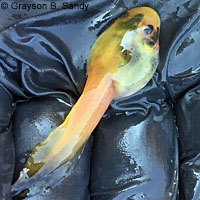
(134, 153)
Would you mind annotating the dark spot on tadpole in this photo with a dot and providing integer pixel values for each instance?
(149, 41)
(121, 48)
(33, 168)
(131, 23)
(126, 55)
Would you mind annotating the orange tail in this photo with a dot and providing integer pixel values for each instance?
(65, 141)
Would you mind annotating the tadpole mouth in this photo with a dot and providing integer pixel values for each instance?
(152, 40)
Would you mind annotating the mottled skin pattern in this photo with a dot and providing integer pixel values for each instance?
(128, 50)
(122, 61)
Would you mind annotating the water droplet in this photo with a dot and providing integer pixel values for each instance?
(46, 190)
(170, 194)
(128, 113)
(143, 196)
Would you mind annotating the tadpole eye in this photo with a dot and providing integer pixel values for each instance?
(148, 29)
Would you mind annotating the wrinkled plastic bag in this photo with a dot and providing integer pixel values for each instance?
(134, 152)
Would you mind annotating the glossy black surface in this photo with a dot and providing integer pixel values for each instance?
(47, 55)
(6, 108)
(183, 62)
(6, 143)
(47, 39)
(187, 111)
(135, 157)
(32, 122)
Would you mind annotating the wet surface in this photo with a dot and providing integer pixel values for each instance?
(6, 163)
(36, 120)
(38, 57)
(110, 75)
(6, 109)
(135, 157)
(14, 13)
(31, 35)
(32, 122)
(187, 112)
(183, 63)
(6, 144)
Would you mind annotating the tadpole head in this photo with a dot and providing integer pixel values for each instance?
(129, 50)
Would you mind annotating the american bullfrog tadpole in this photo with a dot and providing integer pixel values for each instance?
(122, 61)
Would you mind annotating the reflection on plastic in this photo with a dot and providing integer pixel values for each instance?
(129, 161)
(180, 68)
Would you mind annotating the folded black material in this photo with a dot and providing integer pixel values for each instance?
(188, 110)
(135, 156)
(6, 108)
(183, 59)
(6, 143)
(183, 73)
(7, 157)
(32, 122)
(134, 153)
